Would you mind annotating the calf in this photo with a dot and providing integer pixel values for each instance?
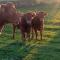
(25, 25)
(38, 23)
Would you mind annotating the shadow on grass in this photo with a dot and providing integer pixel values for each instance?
(15, 51)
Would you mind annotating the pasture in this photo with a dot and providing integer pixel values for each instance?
(47, 49)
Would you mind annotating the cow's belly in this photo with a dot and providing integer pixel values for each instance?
(25, 28)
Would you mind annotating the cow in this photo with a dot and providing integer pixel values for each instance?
(25, 25)
(38, 23)
(8, 14)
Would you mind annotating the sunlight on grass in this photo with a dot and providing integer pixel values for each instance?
(53, 21)
(56, 21)
(52, 27)
(49, 34)
(32, 54)
(57, 15)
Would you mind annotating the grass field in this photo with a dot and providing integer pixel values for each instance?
(47, 49)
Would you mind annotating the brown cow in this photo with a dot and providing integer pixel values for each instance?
(38, 23)
(8, 14)
(25, 25)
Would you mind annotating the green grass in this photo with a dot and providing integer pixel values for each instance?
(47, 49)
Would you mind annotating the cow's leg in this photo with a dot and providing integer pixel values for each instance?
(32, 34)
(36, 34)
(1, 28)
(41, 34)
(28, 35)
(14, 27)
(23, 36)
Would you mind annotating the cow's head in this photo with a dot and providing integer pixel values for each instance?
(8, 7)
(28, 17)
(41, 14)
(11, 5)
(33, 14)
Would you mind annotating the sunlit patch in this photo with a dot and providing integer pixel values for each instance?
(31, 54)
(33, 50)
(56, 21)
(28, 57)
(52, 27)
(57, 15)
(54, 10)
(49, 34)
(53, 21)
